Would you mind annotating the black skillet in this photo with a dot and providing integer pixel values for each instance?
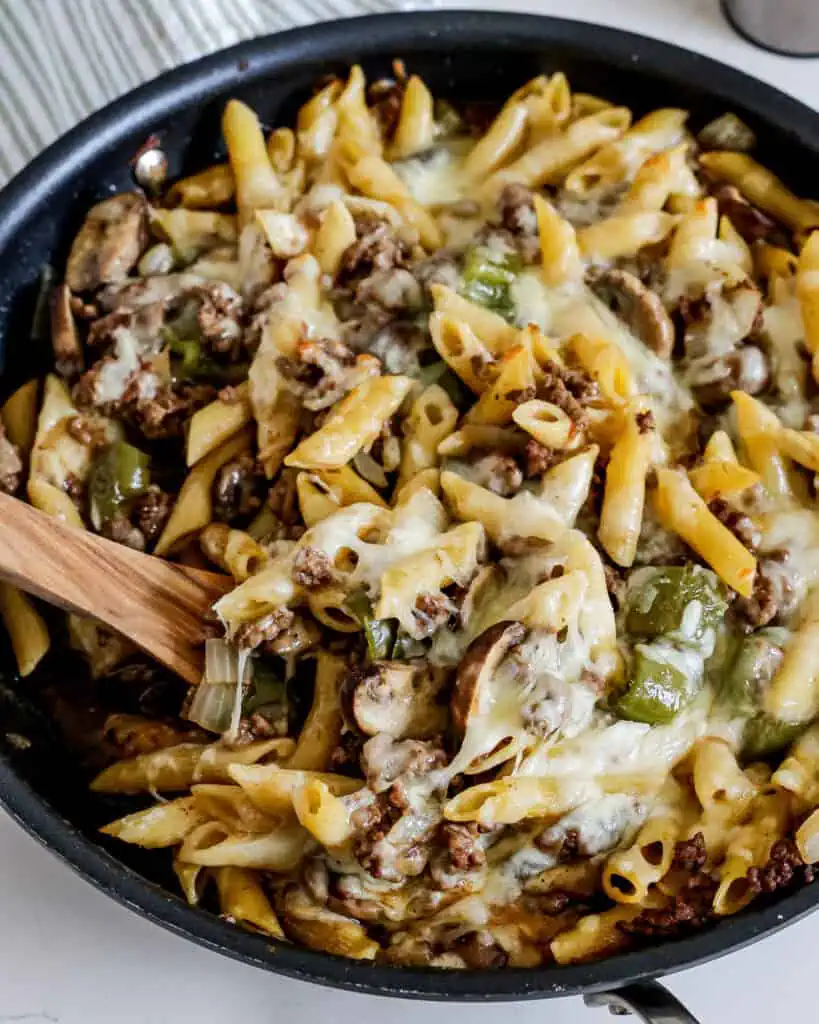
(472, 56)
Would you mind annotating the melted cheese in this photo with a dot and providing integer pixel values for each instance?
(601, 824)
(531, 300)
(436, 178)
(571, 309)
(629, 749)
(411, 528)
(783, 327)
(116, 373)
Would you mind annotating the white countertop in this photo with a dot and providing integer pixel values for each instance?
(70, 955)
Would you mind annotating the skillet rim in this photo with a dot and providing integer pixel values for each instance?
(253, 60)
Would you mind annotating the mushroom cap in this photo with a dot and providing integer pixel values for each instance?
(477, 667)
(399, 699)
(638, 306)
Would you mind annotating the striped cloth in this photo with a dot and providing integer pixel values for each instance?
(62, 59)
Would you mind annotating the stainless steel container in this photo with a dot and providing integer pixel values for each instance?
(790, 27)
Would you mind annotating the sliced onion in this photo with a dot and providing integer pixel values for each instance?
(372, 471)
(214, 704)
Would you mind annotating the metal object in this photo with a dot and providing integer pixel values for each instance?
(150, 166)
(789, 27)
(461, 54)
(648, 1001)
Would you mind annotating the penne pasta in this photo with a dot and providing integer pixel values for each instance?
(559, 249)
(353, 425)
(242, 901)
(207, 190)
(193, 510)
(26, 628)
(548, 162)
(619, 160)
(492, 330)
(762, 188)
(683, 511)
(431, 419)
(415, 131)
(215, 423)
(164, 824)
(514, 382)
(621, 516)
(257, 185)
(19, 417)
(322, 729)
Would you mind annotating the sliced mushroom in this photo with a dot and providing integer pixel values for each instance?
(109, 243)
(400, 700)
(721, 320)
(751, 222)
(485, 580)
(65, 338)
(638, 306)
(713, 379)
(477, 667)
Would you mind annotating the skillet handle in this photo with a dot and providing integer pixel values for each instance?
(648, 1000)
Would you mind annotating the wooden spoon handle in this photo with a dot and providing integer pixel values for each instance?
(156, 604)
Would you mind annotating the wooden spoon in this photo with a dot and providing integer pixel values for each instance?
(156, 604)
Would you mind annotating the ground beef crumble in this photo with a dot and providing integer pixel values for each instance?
(516, 208)
(312, 568)
(539, 459)
(377, 247)
(431, 612)
(690, 910)
(497, 473)
(463, 846)
(480, 951)
(645, 421)
(251, 635)
(690, 854)
(569, 390)
(318, 372)
(783, 869)
(773, 595)
(88, 430)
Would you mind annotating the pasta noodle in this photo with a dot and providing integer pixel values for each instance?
(26, 628)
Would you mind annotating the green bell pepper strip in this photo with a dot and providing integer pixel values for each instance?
(267, 696)
(764, 736)
(741, 686)
(380, 633)
(191, 363)
(488, 277)
(119, 473)
(656, 691)
(664, 604)
(741, 689)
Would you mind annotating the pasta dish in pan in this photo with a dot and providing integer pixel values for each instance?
(505, 426)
